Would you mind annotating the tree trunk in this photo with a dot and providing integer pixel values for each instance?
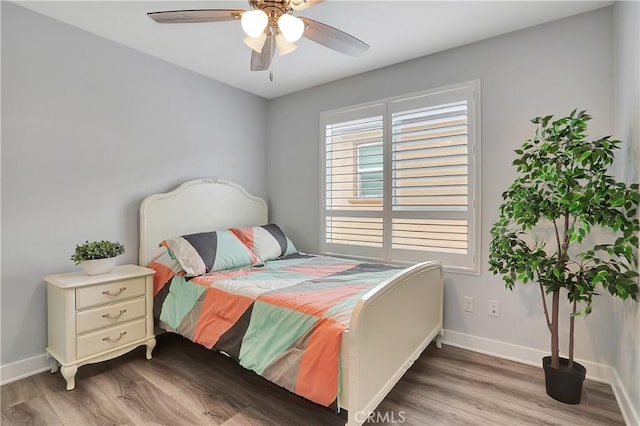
(555, 345)
(571, 328)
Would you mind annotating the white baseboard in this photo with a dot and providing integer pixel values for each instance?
(597, 372)
(631, 416)
(23, 368)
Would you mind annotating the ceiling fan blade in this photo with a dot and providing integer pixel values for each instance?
(262, 61)
(303, 4)
(333, 38)
(189, 16)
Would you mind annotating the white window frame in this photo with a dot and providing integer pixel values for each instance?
(471, 264)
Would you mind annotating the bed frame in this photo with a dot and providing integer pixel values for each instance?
(391, 324)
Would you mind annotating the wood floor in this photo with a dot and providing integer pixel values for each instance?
(185, 384)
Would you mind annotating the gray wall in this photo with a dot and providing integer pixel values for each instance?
(548, 69)
(627, 129)
(89, 128)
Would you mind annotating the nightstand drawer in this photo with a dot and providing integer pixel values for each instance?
(106, 316)
(110, 338)
(108, 293)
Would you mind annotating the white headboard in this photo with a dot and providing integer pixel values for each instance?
(196, 206)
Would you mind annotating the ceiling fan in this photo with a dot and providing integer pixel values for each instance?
(271, 25)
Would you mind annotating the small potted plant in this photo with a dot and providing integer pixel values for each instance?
(97, 257)
(562, 199)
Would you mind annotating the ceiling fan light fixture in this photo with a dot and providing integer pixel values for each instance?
(254, 22)
(270, 25)
(291, 27)
(256, 43)
(284, 47)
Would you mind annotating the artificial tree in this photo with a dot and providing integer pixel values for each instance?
(562, 193)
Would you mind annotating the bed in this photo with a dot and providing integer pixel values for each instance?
(380, 341)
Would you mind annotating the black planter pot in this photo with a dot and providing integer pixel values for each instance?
(564, 384)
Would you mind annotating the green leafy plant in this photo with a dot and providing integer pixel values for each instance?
(563, 191)
(96, 250)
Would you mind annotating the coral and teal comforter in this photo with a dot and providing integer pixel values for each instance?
(283, 320)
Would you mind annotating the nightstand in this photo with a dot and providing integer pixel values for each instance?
(99, 317)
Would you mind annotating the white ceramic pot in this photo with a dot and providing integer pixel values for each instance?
(99, 266)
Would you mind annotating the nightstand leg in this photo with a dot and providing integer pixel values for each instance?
(53, 363)
(439, 339)
(69, 374)
(151, 343)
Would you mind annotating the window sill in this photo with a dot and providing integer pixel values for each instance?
(366, 201)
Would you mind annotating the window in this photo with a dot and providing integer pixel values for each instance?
(369, 159)
(401, 178)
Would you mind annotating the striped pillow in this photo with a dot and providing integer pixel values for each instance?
(210, 251)
(268, 242)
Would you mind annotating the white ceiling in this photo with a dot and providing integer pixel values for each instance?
(396, 30)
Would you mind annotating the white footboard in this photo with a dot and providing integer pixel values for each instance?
(391, 325)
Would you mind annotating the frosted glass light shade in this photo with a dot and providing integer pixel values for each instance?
(256, 43)
(290, 27)
(284, 47)
(254, 22)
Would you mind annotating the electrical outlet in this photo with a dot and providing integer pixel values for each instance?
(468, 304)
(494, 308)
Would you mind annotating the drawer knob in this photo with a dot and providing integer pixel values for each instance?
(109, 339)
(108, 292)
(109, 316)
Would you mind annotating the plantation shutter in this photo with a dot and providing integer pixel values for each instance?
(431, 202)
(354, 182)
(400, 179)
